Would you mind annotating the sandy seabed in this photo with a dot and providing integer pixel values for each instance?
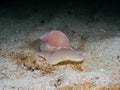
(95, 36)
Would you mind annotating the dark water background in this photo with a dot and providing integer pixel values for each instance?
(111, 6)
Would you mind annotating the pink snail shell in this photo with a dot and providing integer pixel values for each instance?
(54, 39)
